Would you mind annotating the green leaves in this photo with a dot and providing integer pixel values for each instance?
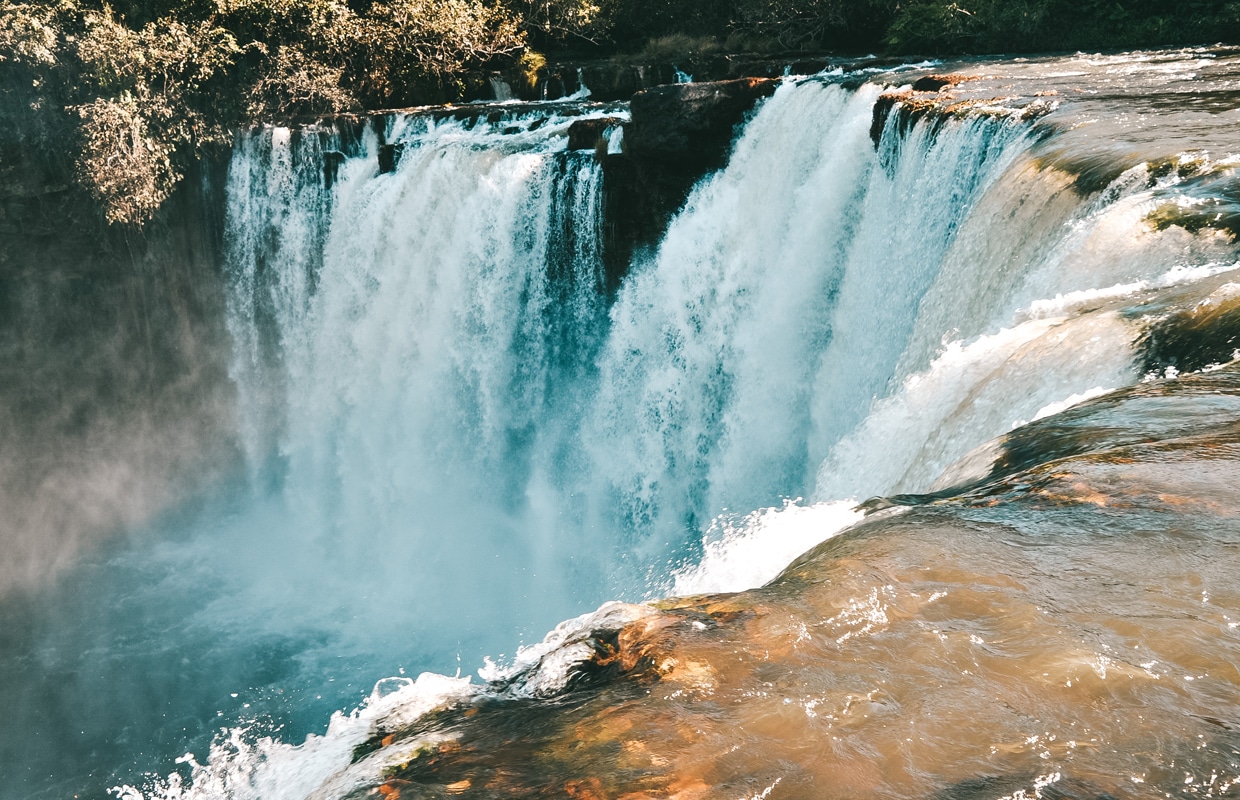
(402, 46)
(134, 94)
(138, 97)
(123, 166)
(294, 80)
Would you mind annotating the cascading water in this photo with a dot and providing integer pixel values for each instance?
(455, 437)
(780, 303)
(413, 349)
(450, 385)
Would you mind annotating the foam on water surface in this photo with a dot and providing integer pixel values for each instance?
(486, 444)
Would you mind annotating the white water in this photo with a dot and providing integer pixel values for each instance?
(410, 349)
(450, 438)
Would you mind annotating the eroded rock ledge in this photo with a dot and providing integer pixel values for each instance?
(677, 134)
(935, 97)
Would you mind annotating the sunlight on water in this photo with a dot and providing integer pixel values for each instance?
(457, 433)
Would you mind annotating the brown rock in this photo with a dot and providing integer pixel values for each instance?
(934, 83)
(584, 134)
(907, 105)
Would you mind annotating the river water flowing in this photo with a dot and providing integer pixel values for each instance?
(454, 435)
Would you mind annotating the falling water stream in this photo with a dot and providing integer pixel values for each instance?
(455, 436)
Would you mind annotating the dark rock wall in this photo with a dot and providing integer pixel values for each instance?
(678, 134)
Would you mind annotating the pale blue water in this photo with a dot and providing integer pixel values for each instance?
(450, 438)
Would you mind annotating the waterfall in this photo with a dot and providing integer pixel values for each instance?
(444, 403)
(411, 348)
(456, 436)
(780, 302)
(430, 359)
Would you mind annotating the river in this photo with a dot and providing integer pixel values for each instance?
(1014, 318)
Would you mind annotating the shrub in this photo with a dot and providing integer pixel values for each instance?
(124, 167)
(402, 48)
(150, 97)
(140, 94)
(294, 83)
(565, 21)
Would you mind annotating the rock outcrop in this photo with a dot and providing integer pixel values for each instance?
(589, 134)
(678, 133)
(935, 83)
(910, 106)
(690, 126)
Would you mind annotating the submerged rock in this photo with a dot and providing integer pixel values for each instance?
(1064, 629)
(1197, 337)
(1206, 196)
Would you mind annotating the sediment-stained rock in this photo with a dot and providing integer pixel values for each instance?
(1064, 629)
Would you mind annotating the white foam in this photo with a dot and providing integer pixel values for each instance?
(1075, 400)
(1076, 301)
(750, 551)
(543, 669)
(242, 765)
(971, 393)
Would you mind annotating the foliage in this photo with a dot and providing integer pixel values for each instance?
(140, 94)
(152, 98)
(295, 80)
(989, 26)
(412, 43)
(560, 21)
(678, 45)
(529, 65)
(30, 35)
(124, 95)
(121, 164)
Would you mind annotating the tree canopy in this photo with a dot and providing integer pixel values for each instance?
(127, 93)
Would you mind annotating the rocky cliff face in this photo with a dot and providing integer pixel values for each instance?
(678, 134)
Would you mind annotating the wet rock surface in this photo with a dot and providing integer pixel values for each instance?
(1064, 630)
(620, 79)
(588, 134)
(905, 108)
(690, 126)
(678, 134)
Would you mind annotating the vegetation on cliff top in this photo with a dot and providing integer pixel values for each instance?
(137, 91)
(123, 96)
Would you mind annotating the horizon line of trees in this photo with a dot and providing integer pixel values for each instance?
(125, 95)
